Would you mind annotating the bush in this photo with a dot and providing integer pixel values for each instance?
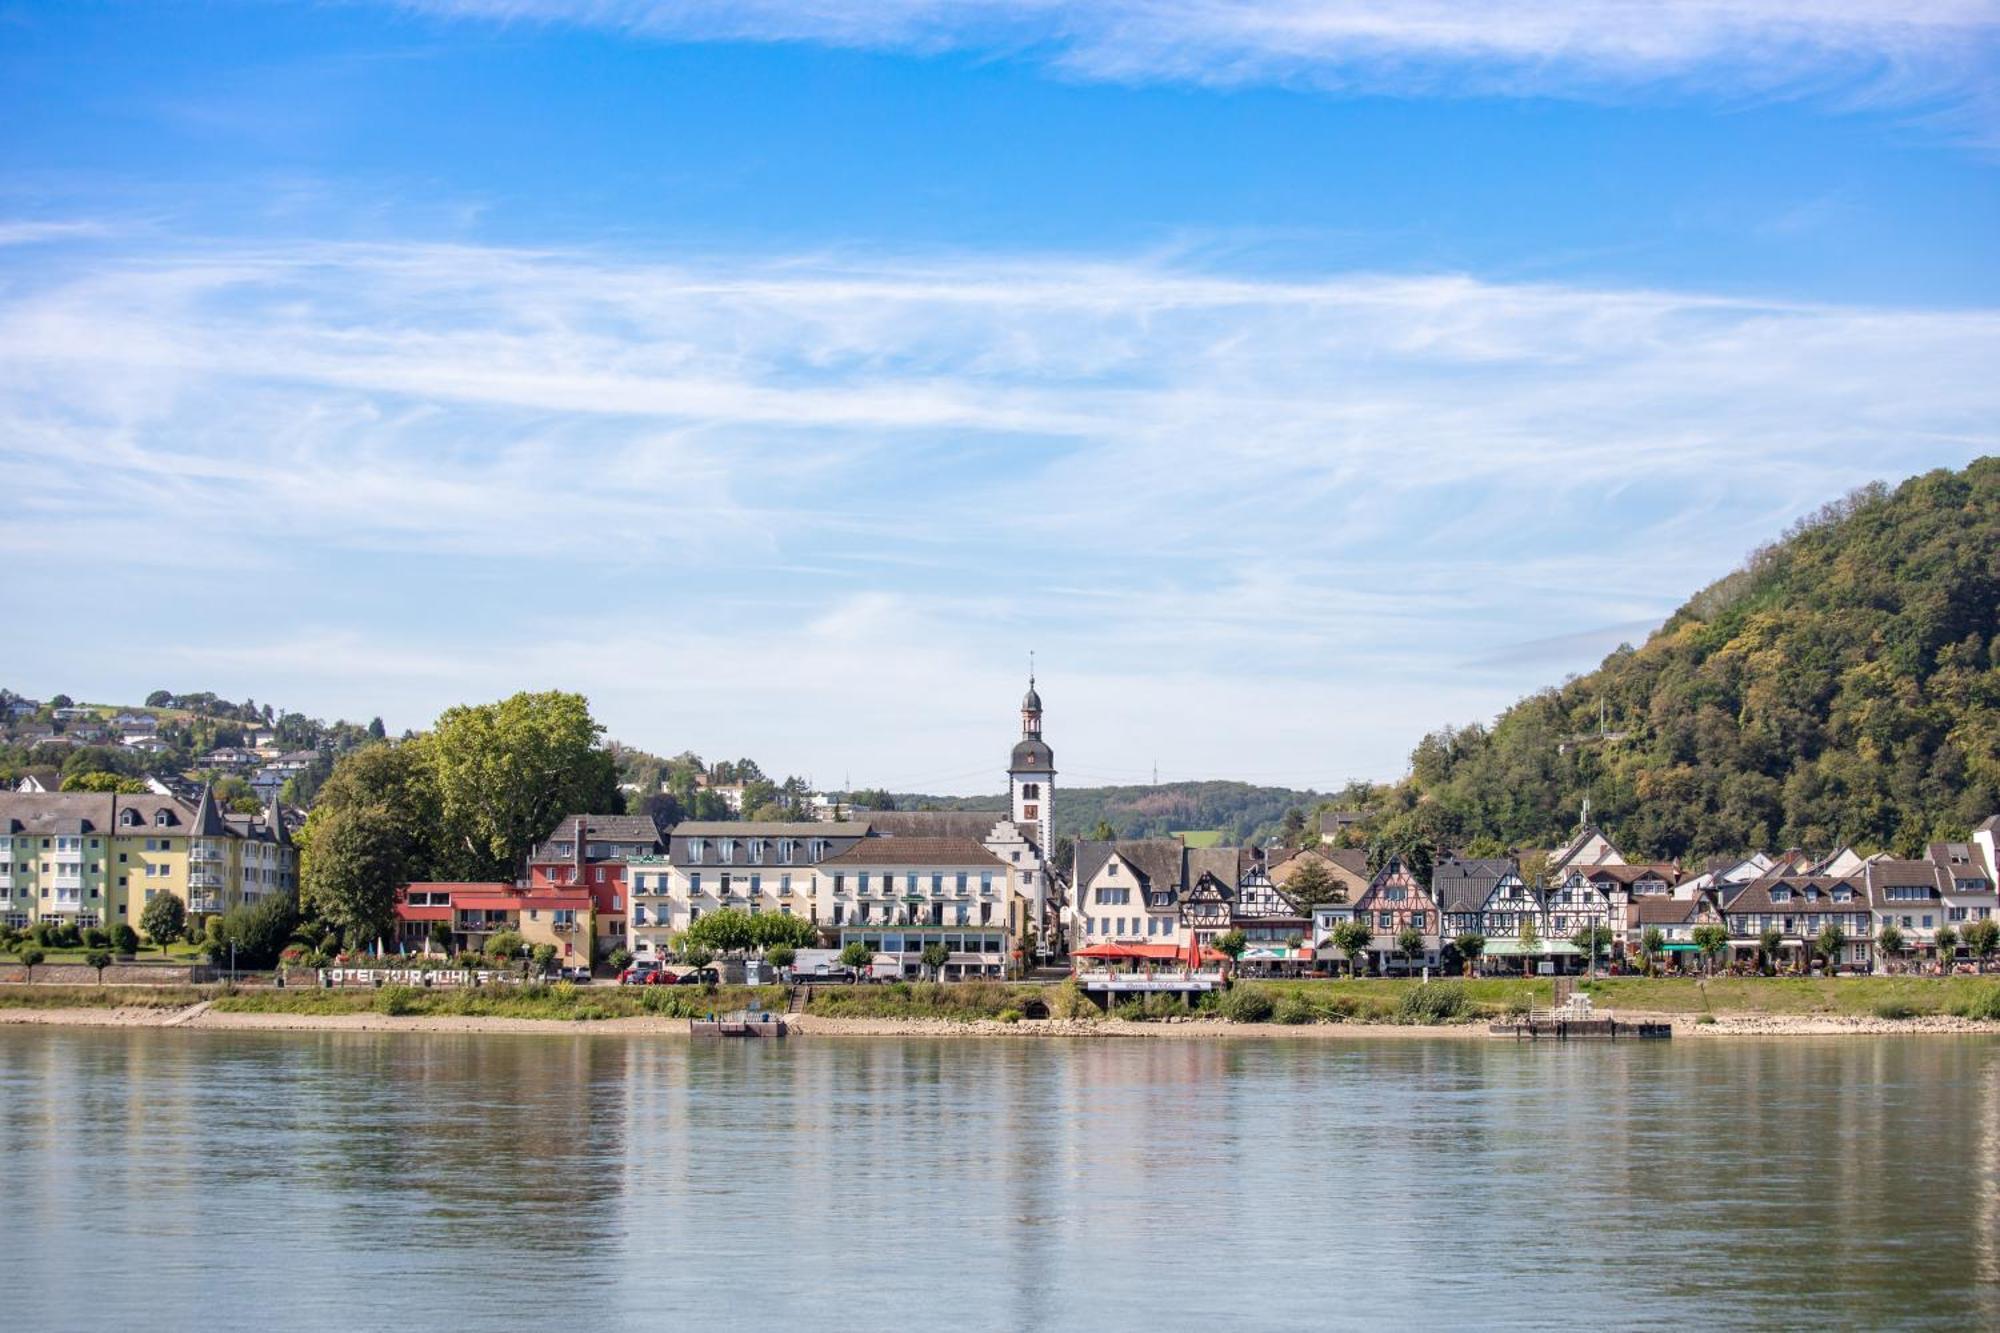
(1067, 1000)
(99, 959)
(124, 939)
(1247, 1004)
(398, 1000)
(563, 992)
(1295, 1009)
(1894, 1009)
(1435, 1002)
(1705, 1019)
(1009, 1015)
(95, 937)
(1985, 1005)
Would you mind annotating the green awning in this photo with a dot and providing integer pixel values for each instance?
(1681, 947)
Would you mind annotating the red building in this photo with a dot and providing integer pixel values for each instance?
(475, 912)
(588, 854)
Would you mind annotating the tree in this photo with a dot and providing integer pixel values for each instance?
(63, 701)
(1311, 883)
(1101, 831)
(1410, 943)
(1292, 828)
(507, 772)
(376, 731)
(1591, 941)
(1711, 940)
(857, 957)
(771, 929)
(1064, 859)
(1769, 941)
(164, 920)
(30, 955)
(1530, 939)
(505, 944)
(98, 959)
(124, 939)
(545, 959)
(1947, 945)
(696, 956)
(725, 931)
(1353, 938)
(102, 781)
(619, 960)
(934, 957)
(1470, 946)
(1231, 945)
(1982, 939)
(1651, 940)
(1832, 939)
(159, 699)
(439, 936)
(1889, 940)
(781, 955)
(359, 858)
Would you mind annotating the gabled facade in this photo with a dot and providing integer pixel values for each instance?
(713, 864)
(897, 896)
(592, 854)
(1799, 907)
(97, 859)
(1397, 901)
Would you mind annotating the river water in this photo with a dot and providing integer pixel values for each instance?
(222, 1180)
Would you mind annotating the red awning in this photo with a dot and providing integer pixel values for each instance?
(1149, 953)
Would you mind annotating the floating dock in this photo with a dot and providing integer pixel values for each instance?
(738, 1025)
(1580, 1029)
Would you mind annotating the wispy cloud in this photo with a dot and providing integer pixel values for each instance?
(1288, 512)
(1854, 50)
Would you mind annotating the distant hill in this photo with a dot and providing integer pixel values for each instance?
(1842, 687)
(1237, 810)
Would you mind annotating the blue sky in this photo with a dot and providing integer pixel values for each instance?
(1292, 378)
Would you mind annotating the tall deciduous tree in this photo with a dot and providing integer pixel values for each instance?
(164, 919)
(507, 772)
(1311, 883)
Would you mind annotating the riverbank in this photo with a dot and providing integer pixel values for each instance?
(242, 1013)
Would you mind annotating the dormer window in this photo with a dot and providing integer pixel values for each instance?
(694, 851)
(161, 819)
(129, 818)
(1781, 895)
(725, 850)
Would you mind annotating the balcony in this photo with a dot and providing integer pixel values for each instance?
(205, 902)
(205, 852)
(204, 879)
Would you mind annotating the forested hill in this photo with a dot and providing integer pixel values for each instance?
(1236, 809)
(1843, 687)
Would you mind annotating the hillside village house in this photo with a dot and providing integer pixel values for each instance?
(1799, 906)
(713, 864)
(97, 859)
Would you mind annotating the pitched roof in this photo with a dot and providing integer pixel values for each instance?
(1464, 885)
(915, 852)
(1809, 893)
(1656, 910)
(207, 821)
(1889, 872)
(1990, 824)
(798, 828)
(974, 824)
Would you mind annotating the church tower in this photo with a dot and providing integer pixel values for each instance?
(1031, 776)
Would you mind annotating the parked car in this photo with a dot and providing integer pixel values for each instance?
(643, 973)
(706, 976)
(579, 975)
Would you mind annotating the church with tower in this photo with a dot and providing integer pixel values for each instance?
(1023, 835)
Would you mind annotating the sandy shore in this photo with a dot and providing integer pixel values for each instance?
(203, 1017)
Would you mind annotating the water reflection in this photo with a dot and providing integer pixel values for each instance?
(997, 1185)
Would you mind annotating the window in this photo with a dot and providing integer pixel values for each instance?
(756, 884)
(784, 851)
(937, 883)
(1031, 791)
(756, 851)
(840, 883)
(694, 882)
(694, 851)
(784, 884)
(1384, 920)
(725, 850)
(986, 881)
(160, 819)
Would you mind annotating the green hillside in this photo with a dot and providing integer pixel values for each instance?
(1844, 686)
(1237, 810)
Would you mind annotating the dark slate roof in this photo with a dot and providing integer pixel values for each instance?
(1968, 865)
(1627, 875)
(1090, 858)
(207, 821)
(1229, 865)
(974, 824)
(1032, 756)
(602, 828)
(915, 852)
(1160, 862)
(1464, 885)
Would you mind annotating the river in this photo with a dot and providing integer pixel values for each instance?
(249, 1180)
